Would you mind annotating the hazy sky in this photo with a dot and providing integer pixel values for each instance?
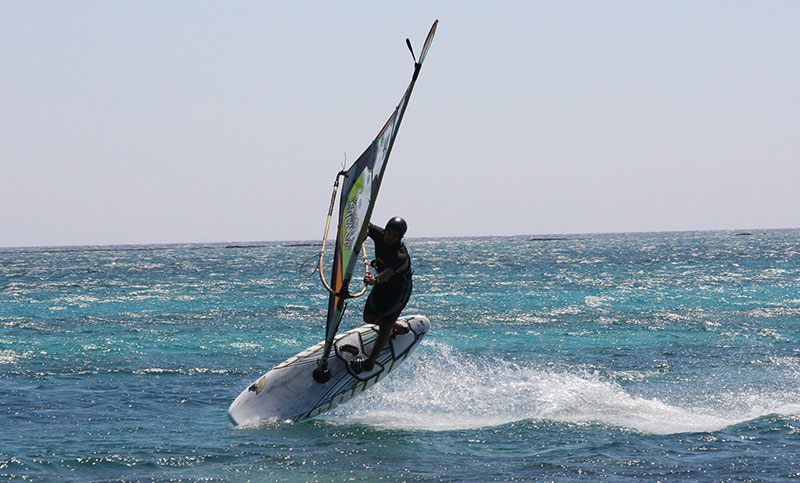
(157, 122)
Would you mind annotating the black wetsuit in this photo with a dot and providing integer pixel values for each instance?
(389, 298)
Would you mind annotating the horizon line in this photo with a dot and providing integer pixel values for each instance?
(309, 242)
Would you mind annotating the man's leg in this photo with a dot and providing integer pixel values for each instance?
(387, 324)
(376, 320)
(384, 333)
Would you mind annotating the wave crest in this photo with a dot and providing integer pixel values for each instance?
(441, 390)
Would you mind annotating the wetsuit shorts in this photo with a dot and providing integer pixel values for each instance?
(387, 302)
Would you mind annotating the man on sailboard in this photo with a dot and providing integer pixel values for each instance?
(391, 287)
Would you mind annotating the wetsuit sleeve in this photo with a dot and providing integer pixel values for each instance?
(375, 232)
(401, 263)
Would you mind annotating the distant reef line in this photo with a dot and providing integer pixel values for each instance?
(307, 243)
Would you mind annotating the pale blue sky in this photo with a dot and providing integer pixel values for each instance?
(158, 122)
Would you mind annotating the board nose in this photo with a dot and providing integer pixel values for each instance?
(420, 324)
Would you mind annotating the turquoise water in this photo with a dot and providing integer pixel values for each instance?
(647, 356)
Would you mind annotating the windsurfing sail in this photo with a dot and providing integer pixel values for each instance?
(358, 194)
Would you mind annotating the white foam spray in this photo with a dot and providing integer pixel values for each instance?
(440, 390)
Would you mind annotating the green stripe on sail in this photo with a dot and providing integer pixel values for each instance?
(352, 224)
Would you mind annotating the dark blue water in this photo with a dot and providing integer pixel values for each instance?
(650, 356)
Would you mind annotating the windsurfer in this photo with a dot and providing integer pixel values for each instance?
(391, 287)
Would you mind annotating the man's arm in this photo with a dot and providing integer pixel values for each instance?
(385, 275)
(402, 265)
(374, 231)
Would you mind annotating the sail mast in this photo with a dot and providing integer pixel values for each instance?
(360, 186)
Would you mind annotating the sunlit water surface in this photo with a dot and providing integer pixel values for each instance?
(645, 356)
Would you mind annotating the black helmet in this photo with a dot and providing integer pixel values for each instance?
(397, 224)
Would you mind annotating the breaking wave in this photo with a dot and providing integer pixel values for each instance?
(441, 390)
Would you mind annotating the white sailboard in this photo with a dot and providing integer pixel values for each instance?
(289, 391)
(321, 377)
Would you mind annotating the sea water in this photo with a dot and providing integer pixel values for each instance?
(628, 356)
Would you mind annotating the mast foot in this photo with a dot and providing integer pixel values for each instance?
(322, 375)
